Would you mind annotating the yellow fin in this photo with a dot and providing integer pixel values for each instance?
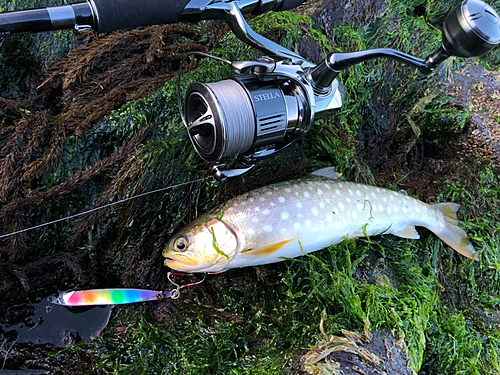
(453, 235)
(408, 232)
(356, 234)
(266, 250)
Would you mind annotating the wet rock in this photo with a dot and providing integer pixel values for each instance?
(353, 354)
(478, 90)
(349, 13)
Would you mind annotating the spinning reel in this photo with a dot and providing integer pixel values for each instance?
(271, 102)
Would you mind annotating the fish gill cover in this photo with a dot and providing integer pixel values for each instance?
(104, 126)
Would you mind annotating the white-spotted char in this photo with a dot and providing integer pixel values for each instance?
(289, 219)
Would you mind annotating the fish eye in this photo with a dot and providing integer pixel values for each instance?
(180, 244)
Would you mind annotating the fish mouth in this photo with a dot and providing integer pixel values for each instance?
(174, 262)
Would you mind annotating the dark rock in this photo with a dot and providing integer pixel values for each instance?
(478, 90)
(349, 13)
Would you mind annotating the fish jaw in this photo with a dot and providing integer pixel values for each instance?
(210, 244)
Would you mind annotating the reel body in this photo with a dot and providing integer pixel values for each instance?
(253, 115)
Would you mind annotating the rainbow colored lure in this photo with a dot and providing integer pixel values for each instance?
(110, 296)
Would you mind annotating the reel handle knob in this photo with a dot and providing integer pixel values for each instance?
(470, 30)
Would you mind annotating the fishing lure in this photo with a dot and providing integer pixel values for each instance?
(119, 296)
(111, 296)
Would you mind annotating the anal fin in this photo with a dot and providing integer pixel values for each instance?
(408, 232)
(266, 250)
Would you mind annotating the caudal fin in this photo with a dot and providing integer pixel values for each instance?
(453, 235)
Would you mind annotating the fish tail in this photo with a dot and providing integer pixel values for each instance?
(452, 234)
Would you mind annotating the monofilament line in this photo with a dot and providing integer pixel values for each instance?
(102, 207)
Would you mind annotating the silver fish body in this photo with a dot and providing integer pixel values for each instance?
(292, 218)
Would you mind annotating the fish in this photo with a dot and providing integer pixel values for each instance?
(290, 219)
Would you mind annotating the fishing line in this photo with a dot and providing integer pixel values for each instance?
(102, 207)
(238, 117)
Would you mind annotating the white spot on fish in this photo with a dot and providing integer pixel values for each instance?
(283, 230)
(341, 206)
(300, 216)
(251, 200)
(266, 212)
(320, 192)
(358, 192)
(255, 219)
(378, 190)
(396, 209)
(272, 204)
(322, 204)
(299, 204)
(329, 218)
(350, 191)
(373, 208)
(389, 210)
(262, 199)
(327, 186)
(337, 225)
(306, 194)
(417, 210)
(348, 200)
(296, 186)
(405, 210)
(296, 226)
(391, 197)
(268, 228)
(360, 206)
(340, 185)
(288, 190)
(354, 215)
(314, 211)
(374, 195)
(281, 199)
(251, 231)
(285, 215)
(257, 209)
(269, 193)
(296, 193)
(384, 199)
(380, 208)
(328, 201)
(337, 191)
(308, 223)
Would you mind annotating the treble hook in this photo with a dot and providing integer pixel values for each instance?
(175, 293)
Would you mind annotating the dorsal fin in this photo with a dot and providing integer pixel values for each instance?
(328, 172)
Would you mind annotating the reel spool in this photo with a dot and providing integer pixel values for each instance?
(246, 116)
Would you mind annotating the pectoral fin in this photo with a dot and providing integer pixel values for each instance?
(408, 232)
(266, 250)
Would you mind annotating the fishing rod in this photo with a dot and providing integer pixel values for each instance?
(279, 94)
